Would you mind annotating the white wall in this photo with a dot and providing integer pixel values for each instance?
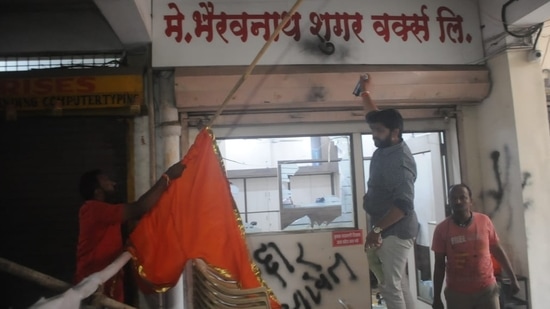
(141, 168)
(529, 103)
(513, 123)
(144, 8)
(351, 280)
(130, 20)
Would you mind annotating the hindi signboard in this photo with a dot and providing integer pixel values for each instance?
(215, 33)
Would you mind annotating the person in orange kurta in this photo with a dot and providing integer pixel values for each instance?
(100, 240)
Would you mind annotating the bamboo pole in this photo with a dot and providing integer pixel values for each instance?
(52, 283)
(252, 65)
(29, 274)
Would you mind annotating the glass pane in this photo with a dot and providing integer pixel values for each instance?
(291, 183)
(426, 213)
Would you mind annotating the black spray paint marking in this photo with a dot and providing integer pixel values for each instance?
(298, 298)
(499, 192)
(316, 297)
(300, 259)
(324, 50)
(526, 183)
(271, 267)
(320, 282)
(325, 46)
(340, 258)
(502, 183)
(317, 93)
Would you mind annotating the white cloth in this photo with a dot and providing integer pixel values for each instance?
(71, 298)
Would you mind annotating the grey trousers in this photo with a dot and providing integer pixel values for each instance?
(388, 263)
(484, 299)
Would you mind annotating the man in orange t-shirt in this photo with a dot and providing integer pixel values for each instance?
(464, 245)
(100, 240)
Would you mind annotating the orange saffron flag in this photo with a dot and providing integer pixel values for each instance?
(195, 218)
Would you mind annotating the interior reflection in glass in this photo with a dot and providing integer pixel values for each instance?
(291, 183)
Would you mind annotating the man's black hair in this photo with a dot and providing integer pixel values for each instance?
(88, 184)
(389, 118)
(461, 185)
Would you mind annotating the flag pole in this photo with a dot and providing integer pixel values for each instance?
(245, 75)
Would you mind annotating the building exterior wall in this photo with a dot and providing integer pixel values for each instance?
(504, 142)
(506, 154)
(533, 196)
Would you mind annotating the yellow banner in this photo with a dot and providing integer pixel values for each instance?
(71, 92)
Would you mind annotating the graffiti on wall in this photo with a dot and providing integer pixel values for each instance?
(316, 277)
(320, 47)
(525, 182)
(317, 93)
(502, 181)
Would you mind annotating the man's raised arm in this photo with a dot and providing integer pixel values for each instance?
(368, 103)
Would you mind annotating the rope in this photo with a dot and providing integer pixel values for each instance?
(255, 61)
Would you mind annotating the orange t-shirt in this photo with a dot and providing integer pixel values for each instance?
(469, 266)
(100, 243)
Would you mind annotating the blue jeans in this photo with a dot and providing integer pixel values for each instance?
(389, 263)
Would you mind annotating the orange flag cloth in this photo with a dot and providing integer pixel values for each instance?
(195, 218)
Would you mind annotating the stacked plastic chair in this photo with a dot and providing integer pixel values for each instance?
(213, 291)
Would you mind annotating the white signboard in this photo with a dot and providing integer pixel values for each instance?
(214, 33)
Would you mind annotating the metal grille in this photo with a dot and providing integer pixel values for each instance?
(10, 64)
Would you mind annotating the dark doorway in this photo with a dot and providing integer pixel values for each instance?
(41, 160)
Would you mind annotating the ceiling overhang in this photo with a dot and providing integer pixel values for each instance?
(73, 27)
(130, 21)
